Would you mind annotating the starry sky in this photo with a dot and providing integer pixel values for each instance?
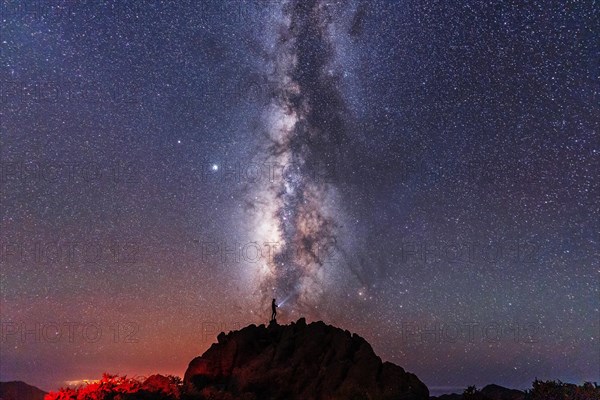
(422, 173)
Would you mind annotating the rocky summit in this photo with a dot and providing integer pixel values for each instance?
(298, 361)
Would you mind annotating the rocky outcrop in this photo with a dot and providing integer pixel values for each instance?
(489, 392)
(17, 390)
(497, 392)
(298, 361)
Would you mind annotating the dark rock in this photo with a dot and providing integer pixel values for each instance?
(297, 361)
(489, 392)
(496, 392)
(452, 396)
(17, 390)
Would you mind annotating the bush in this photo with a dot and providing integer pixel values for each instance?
(115, 387)
(557, 390)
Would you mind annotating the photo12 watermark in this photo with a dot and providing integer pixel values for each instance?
(468, 252)
(470, 332)
(60, 252)
(419, 333)
(267, 172)
(19, 92)
(42, 173)
(30, 332)
(211, 329)
(253, 252)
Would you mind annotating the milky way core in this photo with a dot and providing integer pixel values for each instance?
(304, 126)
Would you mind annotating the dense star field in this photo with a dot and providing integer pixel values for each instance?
(422, 173)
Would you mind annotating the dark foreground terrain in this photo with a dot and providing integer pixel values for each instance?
(299, 361)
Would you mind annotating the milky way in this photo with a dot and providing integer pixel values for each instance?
(416, 151)
(305, 128)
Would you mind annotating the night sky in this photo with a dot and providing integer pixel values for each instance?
(422, 173)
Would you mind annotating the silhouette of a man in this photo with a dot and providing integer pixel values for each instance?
(273, 310)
